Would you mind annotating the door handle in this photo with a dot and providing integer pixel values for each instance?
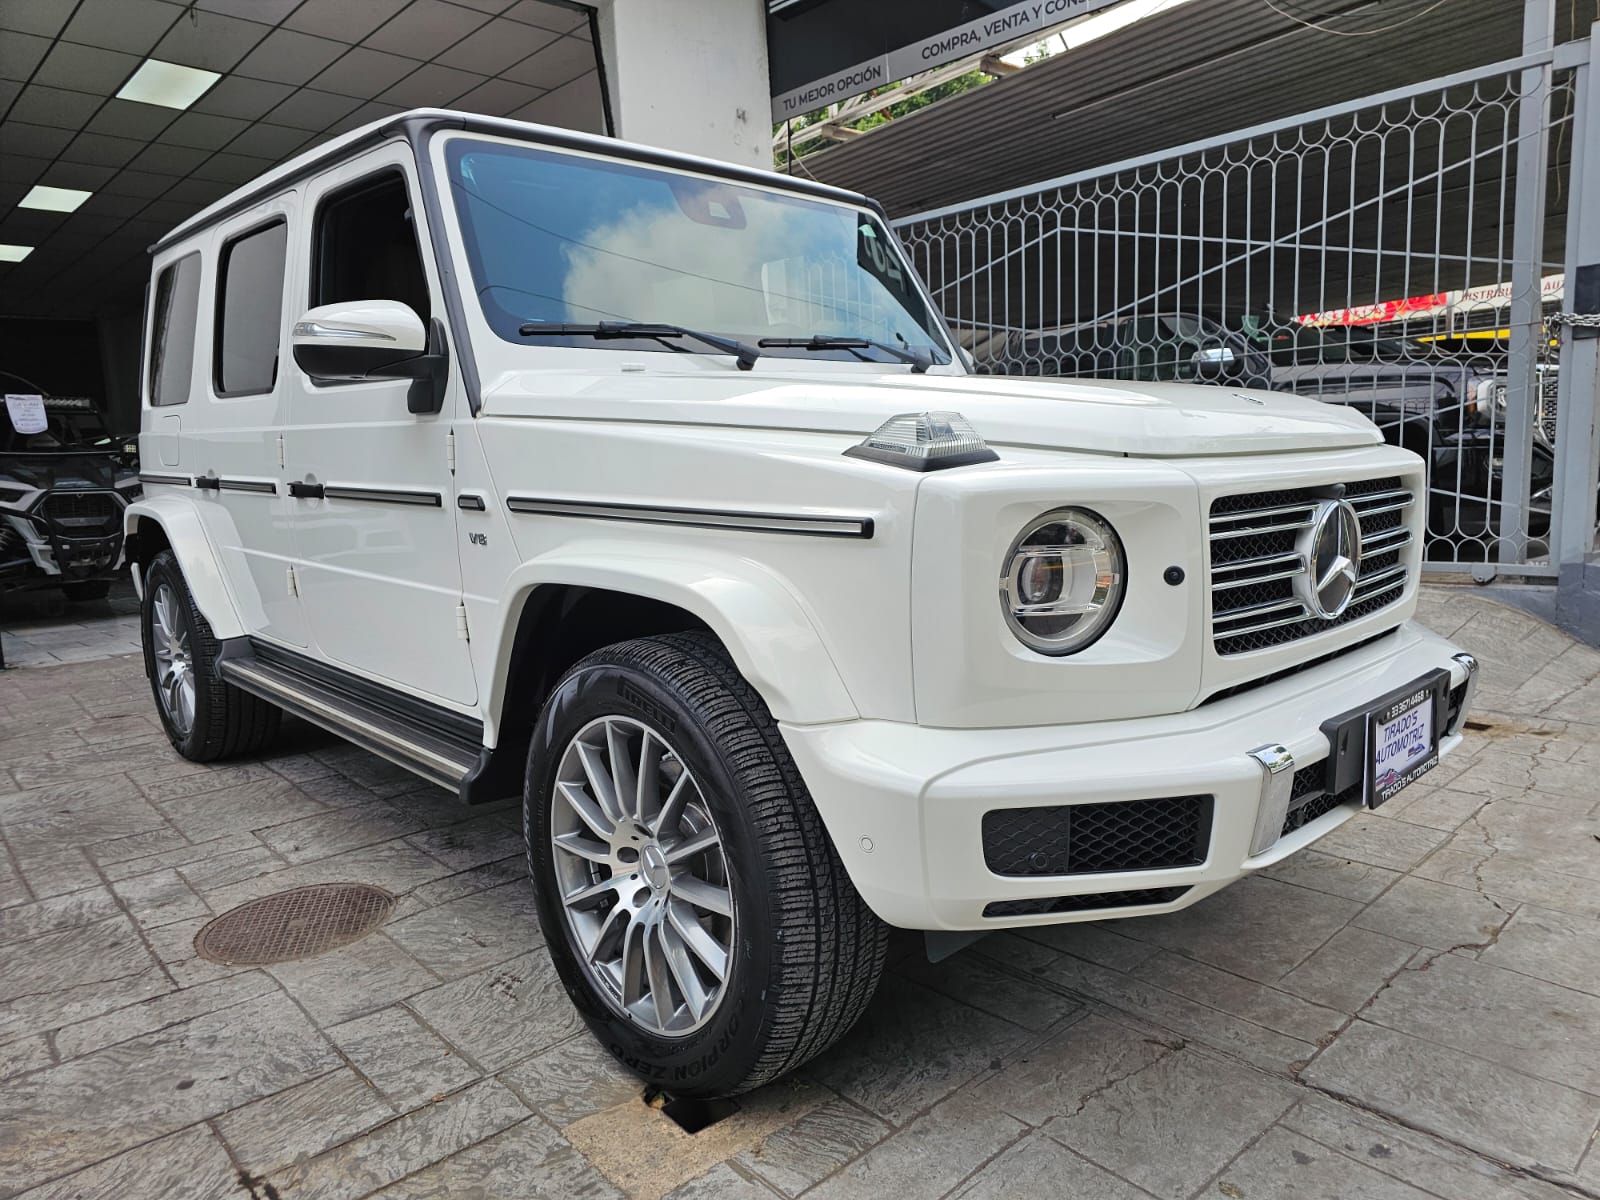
(305, 491)
(208, 483)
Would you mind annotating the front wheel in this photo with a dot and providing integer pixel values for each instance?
(691, 899)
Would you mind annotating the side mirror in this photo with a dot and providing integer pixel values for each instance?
(374, 339)
(1213, 362)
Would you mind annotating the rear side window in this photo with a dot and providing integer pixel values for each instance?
(172, 331)
(250, 311)
(365, 247)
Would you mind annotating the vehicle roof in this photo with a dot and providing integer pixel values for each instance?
(422, 120)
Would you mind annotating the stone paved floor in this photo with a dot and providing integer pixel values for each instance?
(1410, 1010)
(39, 628)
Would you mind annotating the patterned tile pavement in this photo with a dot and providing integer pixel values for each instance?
(1409, 1010)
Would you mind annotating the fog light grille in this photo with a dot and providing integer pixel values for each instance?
(1082, 839)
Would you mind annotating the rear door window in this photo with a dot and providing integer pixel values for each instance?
(250, 311)
(177, 307)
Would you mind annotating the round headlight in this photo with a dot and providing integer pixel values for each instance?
(1063, 581)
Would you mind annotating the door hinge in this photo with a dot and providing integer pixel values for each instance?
(461, 623)
(450, 450)
(294, 584)
(280, 450)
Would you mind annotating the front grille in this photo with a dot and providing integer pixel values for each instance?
(1310, 799)
(1081, 839)
(81, 514)
(1250, 684)
(1255, 560)
(1062, 904)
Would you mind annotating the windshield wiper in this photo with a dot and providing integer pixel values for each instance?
(746, 355)
(920, 359)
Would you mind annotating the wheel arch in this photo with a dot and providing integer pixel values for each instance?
(169, 523)
(557, 610)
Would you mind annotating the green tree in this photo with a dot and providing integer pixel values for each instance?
(882, 116)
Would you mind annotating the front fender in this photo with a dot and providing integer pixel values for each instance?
(768, 631)
(196, 557)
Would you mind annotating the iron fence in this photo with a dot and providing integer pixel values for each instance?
(1397, 254)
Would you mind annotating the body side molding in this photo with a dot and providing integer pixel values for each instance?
(338, 491)
(845, 525)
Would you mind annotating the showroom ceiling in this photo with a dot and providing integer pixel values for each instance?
(292, 74)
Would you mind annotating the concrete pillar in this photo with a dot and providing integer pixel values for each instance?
(690, 75)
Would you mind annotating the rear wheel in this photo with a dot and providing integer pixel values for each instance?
(691, 900)
(205, 718)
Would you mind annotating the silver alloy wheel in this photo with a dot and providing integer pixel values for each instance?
(169, 639)
(642, 875)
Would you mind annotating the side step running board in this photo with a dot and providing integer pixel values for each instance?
(441, 760)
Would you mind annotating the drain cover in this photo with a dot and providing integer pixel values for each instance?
(294, 924)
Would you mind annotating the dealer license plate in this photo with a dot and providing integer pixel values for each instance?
(1402, 743)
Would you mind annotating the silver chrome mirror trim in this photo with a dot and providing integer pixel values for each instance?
(1277, 781)
(316, 329)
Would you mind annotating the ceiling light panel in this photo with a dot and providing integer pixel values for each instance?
(10, 253)
(54, 199)
(167, 84)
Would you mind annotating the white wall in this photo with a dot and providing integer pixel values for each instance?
(690, 75)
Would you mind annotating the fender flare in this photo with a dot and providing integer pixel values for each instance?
(196, 557)
(768, 631)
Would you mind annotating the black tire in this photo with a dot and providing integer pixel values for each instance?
(227, 722)
(84, 593)
(807, 952)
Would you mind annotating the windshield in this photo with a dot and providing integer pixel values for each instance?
(71, 425)
(556, 238)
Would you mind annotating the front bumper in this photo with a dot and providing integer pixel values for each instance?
(30, 551)
(904, 804)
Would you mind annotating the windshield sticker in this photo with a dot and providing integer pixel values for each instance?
(26, 413)
(873, 256)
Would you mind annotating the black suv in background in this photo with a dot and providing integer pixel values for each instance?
(1442, 404)
(62, 493)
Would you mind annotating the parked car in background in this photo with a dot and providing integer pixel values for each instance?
(62, 495)
(1446, 407)
(651, 490)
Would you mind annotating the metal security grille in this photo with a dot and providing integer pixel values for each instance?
(1072, 839)
(1397, 254)
(1257, 560)
(295, 924)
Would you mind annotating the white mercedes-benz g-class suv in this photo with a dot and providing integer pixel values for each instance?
(654, 491)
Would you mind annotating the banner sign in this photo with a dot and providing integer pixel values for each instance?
(892, 41)
(1552, 289)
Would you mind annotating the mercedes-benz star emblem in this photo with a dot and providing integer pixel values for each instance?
(1332, 552)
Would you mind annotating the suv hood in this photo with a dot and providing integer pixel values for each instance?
(1096, 416)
